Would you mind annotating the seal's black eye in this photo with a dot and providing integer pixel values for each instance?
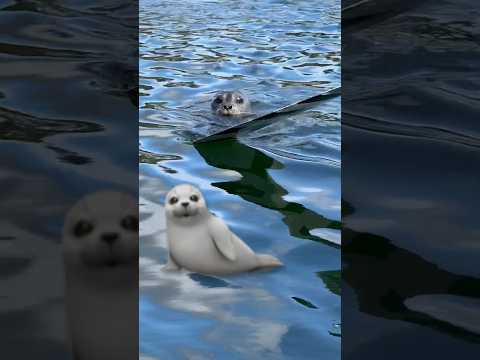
(218, 100)
(130, 222)
(82, 228)
(239, 100)
(173, 200)
(194, 198)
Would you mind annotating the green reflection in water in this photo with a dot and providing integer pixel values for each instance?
(304, 302)
(332, 280)
(258, 187)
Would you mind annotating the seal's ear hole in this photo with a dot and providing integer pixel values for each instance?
(173, 200)
(82, 228)
(239, 100)
(194, 198)
(130, 222)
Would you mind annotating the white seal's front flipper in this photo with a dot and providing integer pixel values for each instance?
(171, 265)
(222, 238)
(268, 261)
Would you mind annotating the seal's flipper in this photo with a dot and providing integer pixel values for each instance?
(268, 261)
(171, 265)
(222, 238)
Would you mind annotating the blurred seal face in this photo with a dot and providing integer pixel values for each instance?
(229, 103)
(184, 204)
(101, 230)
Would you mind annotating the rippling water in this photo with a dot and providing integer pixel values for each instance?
(277, 187)
(410, 139)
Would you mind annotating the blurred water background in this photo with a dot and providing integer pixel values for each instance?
(410, 141)
(68, 93)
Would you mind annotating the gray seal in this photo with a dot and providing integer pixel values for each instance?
(228, 103)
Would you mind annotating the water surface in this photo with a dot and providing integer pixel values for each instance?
(278, 187)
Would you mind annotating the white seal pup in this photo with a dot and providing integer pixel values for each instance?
(100, 249)
(199, 241)
(228, 103)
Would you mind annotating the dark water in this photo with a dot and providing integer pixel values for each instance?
(410, 140)
(67, 95)
(278, 187)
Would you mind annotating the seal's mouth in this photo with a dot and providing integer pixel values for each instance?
(224, 112)
(185, 213)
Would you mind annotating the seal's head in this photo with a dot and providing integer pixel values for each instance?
(101, 231)
(185, 204)
(229, 103)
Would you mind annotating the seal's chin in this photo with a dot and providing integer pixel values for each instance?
(223, 112)
(118, 263)
(106, 261)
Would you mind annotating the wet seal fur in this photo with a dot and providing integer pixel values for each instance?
(199, 241)
(100, 250)
(231, 103)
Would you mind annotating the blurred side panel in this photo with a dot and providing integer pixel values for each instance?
(410, 150)
(68, 145)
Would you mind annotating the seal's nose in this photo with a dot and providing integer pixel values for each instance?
(227, 107)
(185, 204)
(109, 237)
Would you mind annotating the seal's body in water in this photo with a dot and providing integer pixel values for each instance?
(201, 242)
(230, 103)
(100, 247)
